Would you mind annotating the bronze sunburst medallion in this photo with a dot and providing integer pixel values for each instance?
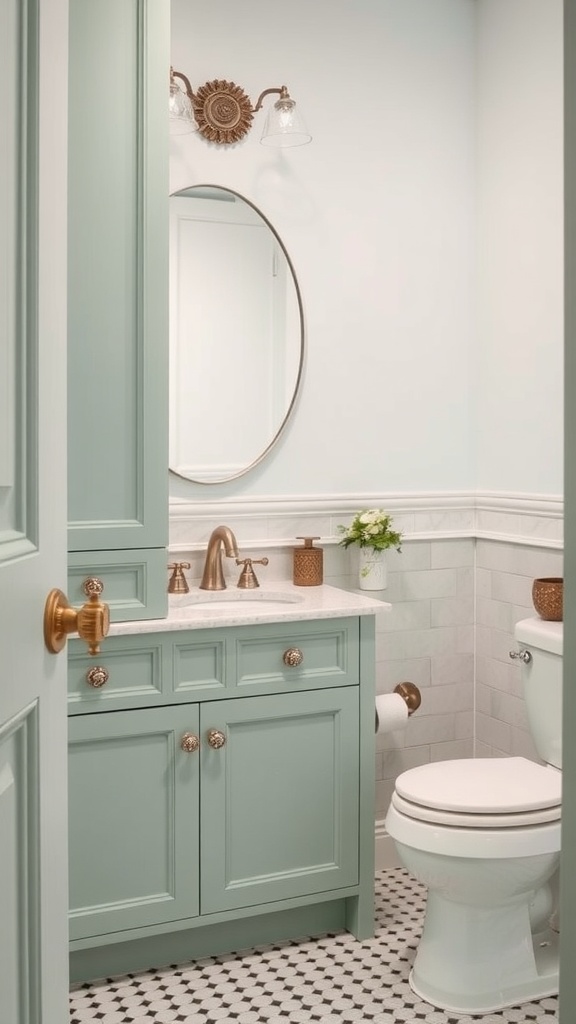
(223, 111)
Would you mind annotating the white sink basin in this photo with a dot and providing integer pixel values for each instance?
(226, 601)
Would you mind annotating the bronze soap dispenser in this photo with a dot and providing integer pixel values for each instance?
(308, 564)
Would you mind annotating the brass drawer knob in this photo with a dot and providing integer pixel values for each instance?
(189, 743)
(97, 676)
(216, 739)
(293, 657)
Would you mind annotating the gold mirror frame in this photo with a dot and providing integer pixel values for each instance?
(299, 375)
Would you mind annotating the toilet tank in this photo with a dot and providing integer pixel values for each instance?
(542, 683)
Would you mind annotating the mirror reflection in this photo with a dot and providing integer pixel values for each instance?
(236, 335)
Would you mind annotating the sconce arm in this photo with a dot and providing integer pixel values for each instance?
(282, 91)
(178, 74)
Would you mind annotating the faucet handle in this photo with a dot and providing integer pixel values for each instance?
(248, 580)
(177, 583)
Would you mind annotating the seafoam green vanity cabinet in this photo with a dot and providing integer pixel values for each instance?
(279, 807)
(158, 833)
(177, 853)
(118, 286)
(133, 821)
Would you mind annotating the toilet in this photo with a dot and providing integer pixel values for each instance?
(483, 834)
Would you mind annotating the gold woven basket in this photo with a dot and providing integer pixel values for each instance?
(548, 598)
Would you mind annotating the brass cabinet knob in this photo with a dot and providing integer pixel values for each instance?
(91, 621)
(97, 676)
(216, 739)
(189, 743)
(293, 657)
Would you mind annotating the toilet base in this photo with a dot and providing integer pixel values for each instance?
(477, 960)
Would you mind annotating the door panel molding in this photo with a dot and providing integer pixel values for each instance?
(19, 843)
(18, 260)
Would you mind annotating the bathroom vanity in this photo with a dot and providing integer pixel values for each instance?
(221, 777)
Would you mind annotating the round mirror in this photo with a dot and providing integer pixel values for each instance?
(236, 335)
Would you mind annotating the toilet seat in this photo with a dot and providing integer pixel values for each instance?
(503, 792)
(476, 807)
(464, 820)
(476, 843)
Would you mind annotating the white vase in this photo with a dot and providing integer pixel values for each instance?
(372, 571)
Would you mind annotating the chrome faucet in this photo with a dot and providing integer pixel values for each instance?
(213, 576)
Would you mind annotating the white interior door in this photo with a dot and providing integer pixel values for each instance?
(33, 862)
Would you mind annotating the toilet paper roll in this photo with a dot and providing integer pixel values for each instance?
(391, 713)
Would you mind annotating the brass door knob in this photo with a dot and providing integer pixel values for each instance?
(97, 676)
(189, 743)
(216, 739)
(293, 657)
(91, 621)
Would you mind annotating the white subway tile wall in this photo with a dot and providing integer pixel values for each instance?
(504, 574)
(431, 588)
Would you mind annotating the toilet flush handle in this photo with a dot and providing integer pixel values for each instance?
(524, 656)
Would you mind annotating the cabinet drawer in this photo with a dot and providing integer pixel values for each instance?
(134, 581)
(115, 678)
(297, 655)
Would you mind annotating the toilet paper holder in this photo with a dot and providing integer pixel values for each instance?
(410, 694)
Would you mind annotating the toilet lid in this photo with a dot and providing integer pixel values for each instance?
(483, 786)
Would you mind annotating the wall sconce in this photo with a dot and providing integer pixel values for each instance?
(222, 112)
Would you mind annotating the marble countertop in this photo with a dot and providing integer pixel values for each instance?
(278, 602)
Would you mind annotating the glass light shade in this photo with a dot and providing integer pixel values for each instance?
(284, 125)
(182, 120)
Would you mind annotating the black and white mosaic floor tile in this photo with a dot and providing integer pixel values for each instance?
(329, 980)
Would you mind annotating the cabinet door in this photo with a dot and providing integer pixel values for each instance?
(279, 807)
(133, 819)
(118, 298)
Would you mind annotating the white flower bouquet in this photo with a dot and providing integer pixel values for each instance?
(371, 528)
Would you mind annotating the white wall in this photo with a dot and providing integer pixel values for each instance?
(377, 215)
(518, 382)
(425, 224)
